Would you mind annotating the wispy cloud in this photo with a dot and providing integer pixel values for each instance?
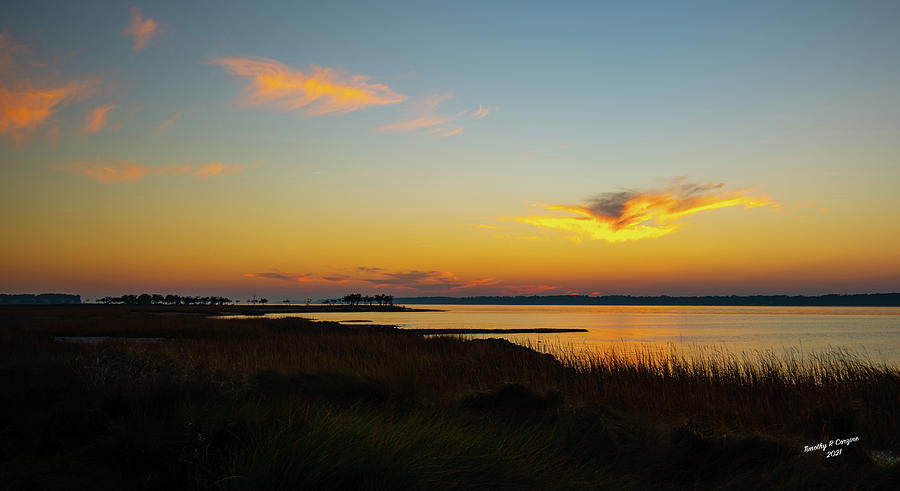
(166, 124)
(476, 283)
(409, 280)
(218, 168)
(527, 289)
(426, 121)
(415, 279)
(634, 215)
(482, 111)
(110, 171)
(125, 171)
(141, 29)
(95, 119)
(319, 90)
(27, 106)
(437, 124)
(447, 132)
(26, 102)
(421, 280)
(281, 276)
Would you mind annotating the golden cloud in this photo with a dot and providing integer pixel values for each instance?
(124, 171)
(25, 104)
(141, 29)
(320, 90)
(635, 215)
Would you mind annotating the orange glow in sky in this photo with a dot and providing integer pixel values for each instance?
(313, 152)
(326, 92)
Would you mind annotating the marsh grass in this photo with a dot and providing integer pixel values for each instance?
(815, 396)
(289, 403)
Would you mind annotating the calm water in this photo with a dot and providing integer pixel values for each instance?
(874, 332)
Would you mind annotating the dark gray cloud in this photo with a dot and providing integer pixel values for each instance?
(422, 280)
(274, 276)
(611, 204)
(380, 277)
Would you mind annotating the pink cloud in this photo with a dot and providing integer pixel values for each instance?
(425, 121)
(125, 171)
(96, 119)
(437, 124)
(141, 29)
(447, 132)
(167, 123)
(218, 168)
(482, 111)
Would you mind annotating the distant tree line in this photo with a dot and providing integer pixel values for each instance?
(255, 300)
(357, 299)
(42, 299)
(831, 300)
(157, 299)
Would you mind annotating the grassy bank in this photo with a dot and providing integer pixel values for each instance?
(288, 403)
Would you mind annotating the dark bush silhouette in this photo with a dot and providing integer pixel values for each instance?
(332, 388)
(514, 398)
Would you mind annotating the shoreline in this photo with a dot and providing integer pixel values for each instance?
(214, 310)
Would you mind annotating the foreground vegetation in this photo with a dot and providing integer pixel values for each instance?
(289, 403)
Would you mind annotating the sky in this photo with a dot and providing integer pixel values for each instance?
(310, 150)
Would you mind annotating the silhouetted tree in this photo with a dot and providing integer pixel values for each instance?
(353, 299)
